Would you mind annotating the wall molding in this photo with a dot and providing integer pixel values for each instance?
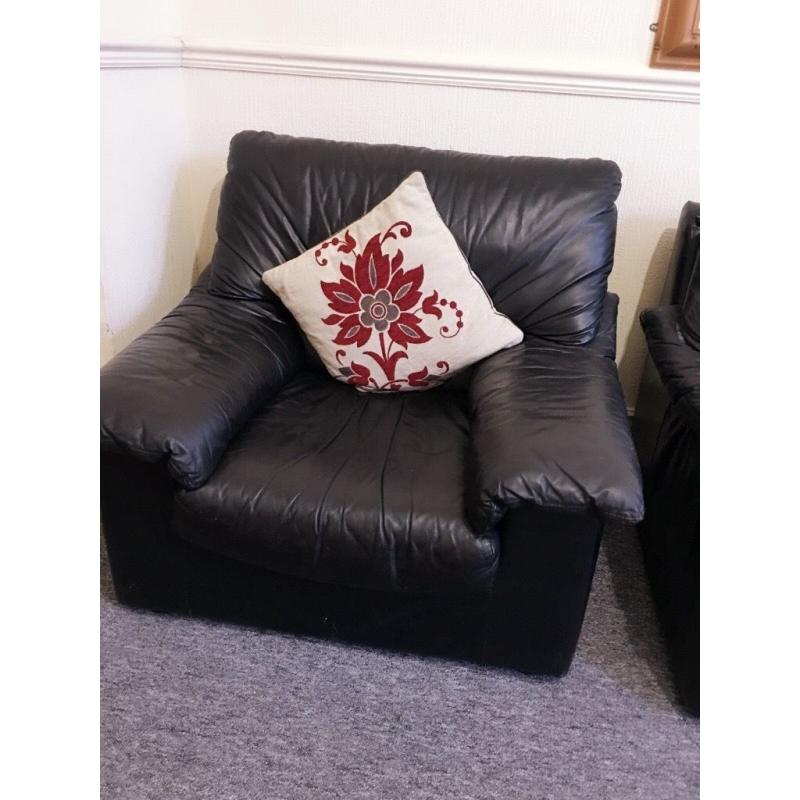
(141, 54)
(636, 84)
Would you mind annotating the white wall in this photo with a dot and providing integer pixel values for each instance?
(147, 239)
(654, 142)
(134, 19)
(611, 31)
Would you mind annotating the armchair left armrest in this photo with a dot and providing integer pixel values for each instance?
(184, 389)
(549, 428)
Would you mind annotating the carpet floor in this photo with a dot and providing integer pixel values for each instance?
(195, 709)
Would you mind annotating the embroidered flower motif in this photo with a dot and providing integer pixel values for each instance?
(378, 295)
(346, 245)
(379, 310)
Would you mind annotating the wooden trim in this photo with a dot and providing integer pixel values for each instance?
(677, 42)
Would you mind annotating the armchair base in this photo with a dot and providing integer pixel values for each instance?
(530, 620)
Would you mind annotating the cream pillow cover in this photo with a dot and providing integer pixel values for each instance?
(390, 302)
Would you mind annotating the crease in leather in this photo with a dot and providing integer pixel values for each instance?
(289, 469)
(386, 545)
(538, 232)
(549, 427)
(677, 362)
(183, 389)
(378, 501)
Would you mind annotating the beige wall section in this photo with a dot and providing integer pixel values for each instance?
(147, 239)
(531, 31)
(106, 340)
(166, 132)
(142, 18)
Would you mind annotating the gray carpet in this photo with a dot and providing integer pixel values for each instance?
(193, 709)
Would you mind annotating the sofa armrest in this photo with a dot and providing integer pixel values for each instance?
(678, 363)
(182, 390)
(549, 428)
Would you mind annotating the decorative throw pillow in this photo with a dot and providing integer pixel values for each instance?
(390, 303)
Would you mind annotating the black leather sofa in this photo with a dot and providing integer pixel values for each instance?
(667, 424)
(240, 481)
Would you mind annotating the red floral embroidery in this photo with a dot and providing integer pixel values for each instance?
(377, 295)
(346, 245)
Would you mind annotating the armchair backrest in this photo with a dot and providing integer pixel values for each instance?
(538, 232)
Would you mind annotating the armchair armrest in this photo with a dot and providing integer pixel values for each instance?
(549, 428)
(678, 363)
(182, 390)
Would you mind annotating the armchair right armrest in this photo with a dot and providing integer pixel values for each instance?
(549, 428)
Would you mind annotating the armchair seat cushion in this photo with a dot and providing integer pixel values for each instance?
(339, 486)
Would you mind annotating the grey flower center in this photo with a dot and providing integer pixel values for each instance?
(378, 311)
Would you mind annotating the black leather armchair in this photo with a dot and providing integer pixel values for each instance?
(241, 481)
(668, 433)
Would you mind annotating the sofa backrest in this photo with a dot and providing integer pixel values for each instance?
(538, 232)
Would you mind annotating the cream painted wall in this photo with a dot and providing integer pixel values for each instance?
(147, 242)
(128, 19)
(106, 339)
(612, 31)
(147, 239)
(655, 143)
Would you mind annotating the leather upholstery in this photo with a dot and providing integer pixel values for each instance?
(685, 254)
(538, 232)
(184, 388)
(689, 321)
(530, 620)
(346, 487)
(668, 428)
(231, 468)
(605, 341)
(549, 427)
(677, 363)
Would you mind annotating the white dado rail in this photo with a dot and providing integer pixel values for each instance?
(639, 83)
